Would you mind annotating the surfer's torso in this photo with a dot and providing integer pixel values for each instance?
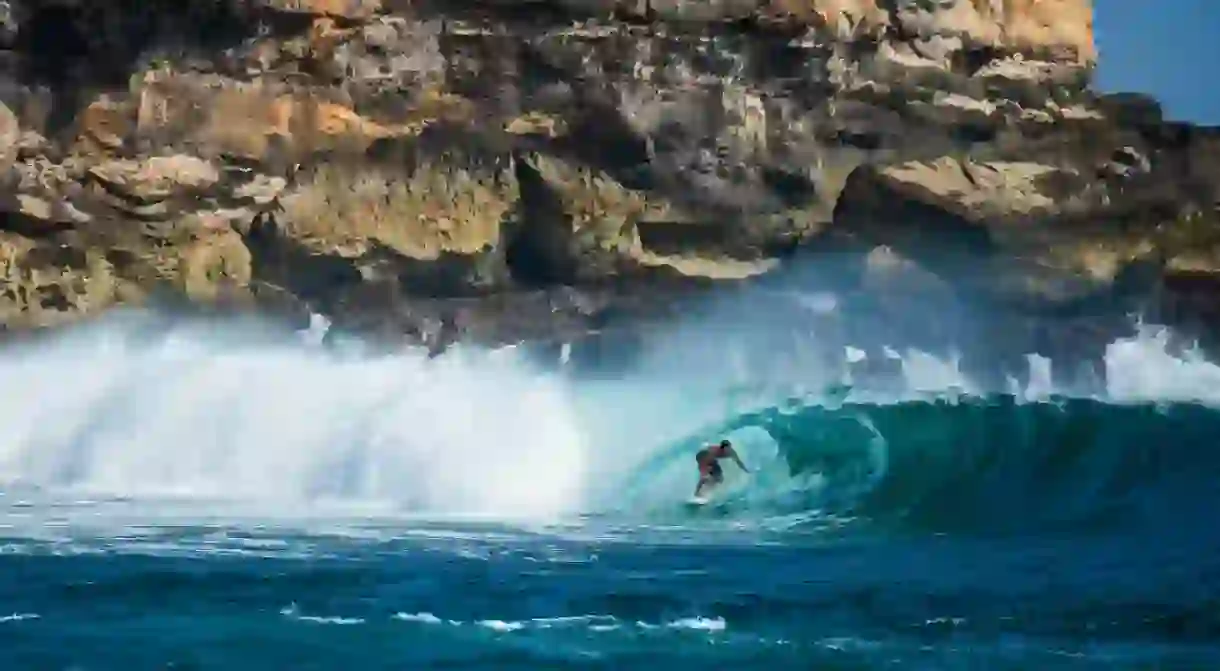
(710, 473)
(709, 461)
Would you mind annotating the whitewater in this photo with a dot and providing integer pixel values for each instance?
(180, 493)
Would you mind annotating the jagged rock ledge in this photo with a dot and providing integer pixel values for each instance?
(528, 170)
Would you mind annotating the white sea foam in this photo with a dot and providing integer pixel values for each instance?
(500, 625)
(1149, 367)
(185, 414)
(425, 618)
(593, 623)
(292, 612)
(699, 623)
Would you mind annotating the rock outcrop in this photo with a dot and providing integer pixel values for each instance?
(361, 156)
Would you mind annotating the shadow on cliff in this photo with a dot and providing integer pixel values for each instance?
(667, 149)
(75, 49)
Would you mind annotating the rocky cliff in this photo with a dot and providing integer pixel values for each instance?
(520, 168)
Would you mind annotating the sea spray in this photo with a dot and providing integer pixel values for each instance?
(1151, 366)
(184, 413)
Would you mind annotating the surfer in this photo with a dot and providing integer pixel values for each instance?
(710, 473)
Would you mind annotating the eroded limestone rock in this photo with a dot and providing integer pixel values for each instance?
(326, 151)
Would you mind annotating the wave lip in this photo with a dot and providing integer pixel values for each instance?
(987, 464)
(933, 450)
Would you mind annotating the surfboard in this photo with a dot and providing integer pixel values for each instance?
(699, 506)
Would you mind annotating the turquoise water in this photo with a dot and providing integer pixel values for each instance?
(191, 500)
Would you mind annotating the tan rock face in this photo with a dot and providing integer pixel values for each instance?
(976, 190)
(1039, 232)
(214, 263)
(105, 125)
(347, 9)
(435, 210)
(1058, 28)
(358, 135)
(166, 218)
(10, 136)
(156, 178)
(248, 119)
(1063, 26)
(39, 289)
(844, 19)
(599, 210)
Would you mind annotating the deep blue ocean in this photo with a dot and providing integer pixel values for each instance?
(203, 498)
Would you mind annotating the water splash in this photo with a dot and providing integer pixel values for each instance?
(183, 413)
(1150, 366)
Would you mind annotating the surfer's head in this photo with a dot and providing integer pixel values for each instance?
(725, 445)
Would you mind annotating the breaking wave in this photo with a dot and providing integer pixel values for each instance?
(132, 409)
(147, 408)
(984, 464)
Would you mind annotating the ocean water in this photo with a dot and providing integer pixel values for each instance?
(187, 496)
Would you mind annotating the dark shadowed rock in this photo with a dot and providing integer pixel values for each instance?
(575, 171)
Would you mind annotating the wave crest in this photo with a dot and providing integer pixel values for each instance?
(981, 463)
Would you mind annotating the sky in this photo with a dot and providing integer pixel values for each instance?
(1170, 49)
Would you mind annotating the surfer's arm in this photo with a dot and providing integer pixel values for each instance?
(737, 459)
